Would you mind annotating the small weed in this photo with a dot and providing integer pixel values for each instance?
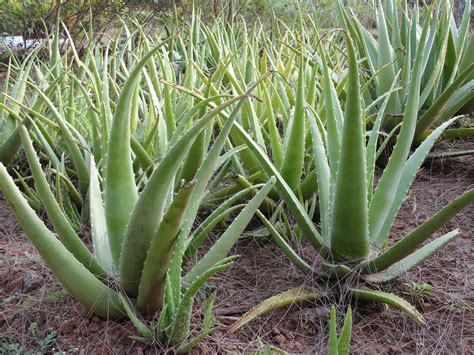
(48, 340)
(33, 328)
(420, 291)
(55, 295)
(32, 258)
(9, 346)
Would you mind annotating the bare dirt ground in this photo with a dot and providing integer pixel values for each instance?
(37, 315)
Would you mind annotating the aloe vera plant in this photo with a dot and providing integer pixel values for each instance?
(356, 217)
(139, 137)
(139, 237)
(340, 345)
(447, 71)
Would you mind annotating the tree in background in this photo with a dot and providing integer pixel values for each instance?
(34, 19)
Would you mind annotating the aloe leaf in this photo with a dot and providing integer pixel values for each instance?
(195, 242)
(262, 159)
(434, 73)
(285, 247)
(225, 243)
(323, 176)
(462, 41)
(284, 299)
(275, 138)
(146, 162)
(334, 118)
(433, 114)
(163, 320)
(387, 186)
(144, 331)
(293, 160)
(152, 281)
(202, 178)
(180, 329)
(224, 208)
(414, 259)
(373, 139)
(387, 60)
(349, 222)
(100, 240)
(30, 195)
(458, 101)
(195, 341)
(120, 189)
(454, 133)
(71, 273)
(451, 154)
(60, 222)
(415, 238)
(303, 220)
(333, 333)
(12, 143)
(18, 91)
(149, 209)
(408, 174)
(344, 340)
(209, 319)
(388, 298)
(71, 143)
(194, 159)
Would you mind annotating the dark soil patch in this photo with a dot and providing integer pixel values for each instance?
(38, 315)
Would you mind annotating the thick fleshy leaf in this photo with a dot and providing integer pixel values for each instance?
(344, 340)
(152, 281)
(71, 273)
(225, 243)
(349, 221)
(284, 299)
(148, 212)
(408, 175)
(418, 236)
(100, 240)
(388, 298)
(387, 186)
(181, 323)
(293, 160)
(120, 190)
(61, 224)
(414, 259)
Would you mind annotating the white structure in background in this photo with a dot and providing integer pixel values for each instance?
(17, 43)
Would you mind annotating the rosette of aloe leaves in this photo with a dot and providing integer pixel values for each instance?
(356, 213)
(139, 231)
